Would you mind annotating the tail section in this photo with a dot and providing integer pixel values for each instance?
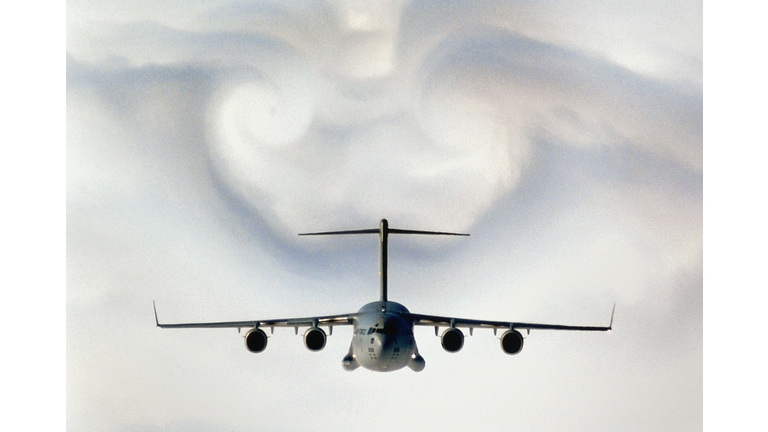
(384, 230)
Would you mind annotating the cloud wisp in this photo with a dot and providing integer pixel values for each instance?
(565, 136)
(446, 128)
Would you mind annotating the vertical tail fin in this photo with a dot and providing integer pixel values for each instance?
(384, 230)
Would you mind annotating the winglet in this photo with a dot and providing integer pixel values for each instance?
(155, 308)
(610, 326)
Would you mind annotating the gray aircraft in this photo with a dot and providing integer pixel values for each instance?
(382, 338)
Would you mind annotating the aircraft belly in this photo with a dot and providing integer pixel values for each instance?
(383, 355)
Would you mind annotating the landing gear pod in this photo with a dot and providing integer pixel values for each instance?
(314, 339)
(349, 363)
(256, 340)
(417, 363)
(452, 340)
(512, 342)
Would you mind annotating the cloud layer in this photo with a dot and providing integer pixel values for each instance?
(566, 136)
(304, 126)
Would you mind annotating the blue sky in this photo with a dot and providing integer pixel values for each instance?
(566, 137)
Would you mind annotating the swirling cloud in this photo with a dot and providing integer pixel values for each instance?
(203, 135)
(338, 114)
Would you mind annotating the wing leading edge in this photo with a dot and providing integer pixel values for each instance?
(434, 320)
(329, 320)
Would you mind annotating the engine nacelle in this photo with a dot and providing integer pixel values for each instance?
(256, 340)
(314, 339)
(452, 340)
(512, 342)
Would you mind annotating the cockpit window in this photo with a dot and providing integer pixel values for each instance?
(388, 330)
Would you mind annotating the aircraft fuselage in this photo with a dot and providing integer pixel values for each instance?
(383, 340)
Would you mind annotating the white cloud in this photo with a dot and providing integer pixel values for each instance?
(489, 93)
(566, 136)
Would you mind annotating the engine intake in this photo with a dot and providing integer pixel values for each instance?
(314, 339)
(256, 340)
(452, 340)
(512, 342)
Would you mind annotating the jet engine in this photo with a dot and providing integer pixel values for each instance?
(314, 339)
(512, 342)
(452, 340)
(256, 340)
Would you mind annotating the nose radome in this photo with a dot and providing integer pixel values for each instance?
(381, 343)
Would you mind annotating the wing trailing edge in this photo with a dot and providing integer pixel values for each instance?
(327, 320)
(437, 321)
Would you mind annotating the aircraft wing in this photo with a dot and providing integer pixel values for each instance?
(330, 320)
(434, 320)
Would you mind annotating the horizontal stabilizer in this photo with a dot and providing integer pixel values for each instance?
(366, 231)
(383, 229)
(402, 231)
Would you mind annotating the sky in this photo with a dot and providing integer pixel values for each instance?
(566, 137)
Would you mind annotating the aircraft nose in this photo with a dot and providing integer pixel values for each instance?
(379, 341)
(379, 344)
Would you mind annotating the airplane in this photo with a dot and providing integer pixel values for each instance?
(383, 339)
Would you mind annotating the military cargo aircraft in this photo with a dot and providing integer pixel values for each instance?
(383, 339)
